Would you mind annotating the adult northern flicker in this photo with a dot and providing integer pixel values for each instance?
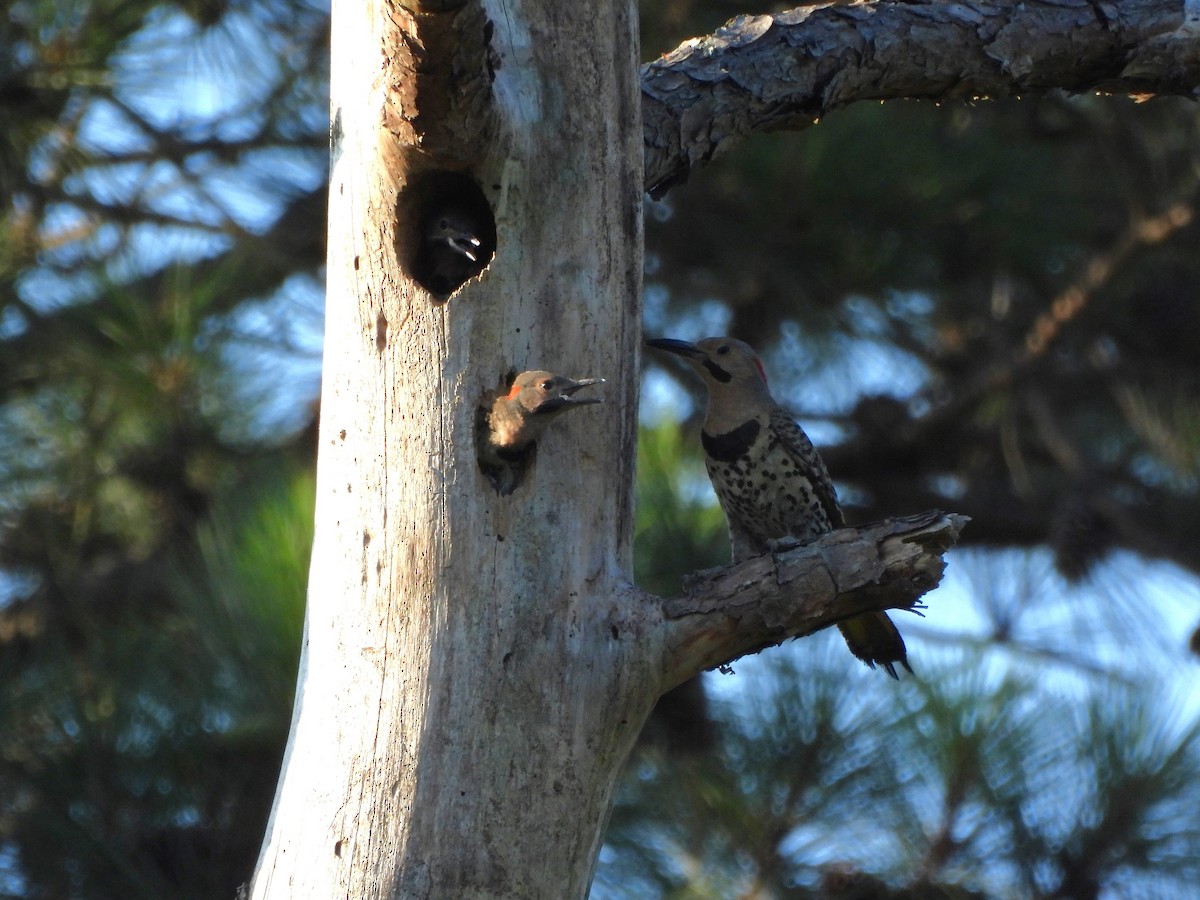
(769, 478)
(450, 250)
(508, 428)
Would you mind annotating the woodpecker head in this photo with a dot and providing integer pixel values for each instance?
(723, 363)
(455, 230)
(733, 374)
(533, 401)
(454, 237)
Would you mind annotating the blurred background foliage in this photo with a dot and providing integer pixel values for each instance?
(989, 308)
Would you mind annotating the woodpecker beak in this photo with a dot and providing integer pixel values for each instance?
(457, 231)
(679, 348)
(464, 243)
(564, 397)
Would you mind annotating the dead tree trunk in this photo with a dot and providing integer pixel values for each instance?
(468, 688)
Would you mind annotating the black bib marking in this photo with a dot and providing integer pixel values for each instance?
(731, 445)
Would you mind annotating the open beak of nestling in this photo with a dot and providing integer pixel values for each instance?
(679, 348)
(456, 232)
(561, 394)
(464, 243)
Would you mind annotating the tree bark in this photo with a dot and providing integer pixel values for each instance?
(786, 71)
(472, 675)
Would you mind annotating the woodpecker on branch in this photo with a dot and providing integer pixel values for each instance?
(510, 426)
(451, 249)
(769, 478)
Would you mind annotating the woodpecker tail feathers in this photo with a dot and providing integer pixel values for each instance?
(874, 639)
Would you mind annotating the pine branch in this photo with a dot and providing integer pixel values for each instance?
(728, 612)
(785, 71)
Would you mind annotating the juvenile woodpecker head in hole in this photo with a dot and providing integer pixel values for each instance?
(453, 228)
(511, 424)
(451, 249)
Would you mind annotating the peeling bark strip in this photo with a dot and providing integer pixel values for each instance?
(769, 72)
(440, 78)
(729, 612)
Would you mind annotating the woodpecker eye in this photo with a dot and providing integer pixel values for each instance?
(547, 385)
(444, 224)
(723, 349)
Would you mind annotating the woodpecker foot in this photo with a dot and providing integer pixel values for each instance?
(783, 544)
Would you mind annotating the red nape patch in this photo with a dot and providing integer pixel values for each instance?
(761, 371)
(512, 394)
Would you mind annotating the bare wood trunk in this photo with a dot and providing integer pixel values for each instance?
(472, 676)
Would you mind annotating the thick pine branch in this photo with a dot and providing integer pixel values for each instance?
(784, 71)
(729, 612)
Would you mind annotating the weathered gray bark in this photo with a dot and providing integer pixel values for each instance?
(473, 671)
(785, 71)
